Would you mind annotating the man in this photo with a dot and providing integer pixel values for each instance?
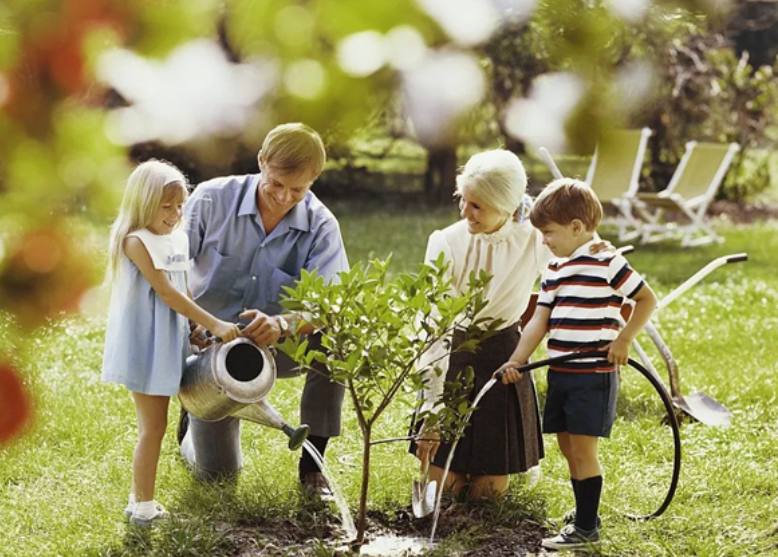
(249, 237)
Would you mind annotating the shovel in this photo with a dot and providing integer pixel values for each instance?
(423, 493)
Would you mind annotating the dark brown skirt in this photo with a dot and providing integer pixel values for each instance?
(504, 435)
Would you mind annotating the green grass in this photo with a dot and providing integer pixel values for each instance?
(63, 486)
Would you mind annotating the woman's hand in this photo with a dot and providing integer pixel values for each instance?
(428, 444)
(602, 245)
(510, 373)
(225, 331)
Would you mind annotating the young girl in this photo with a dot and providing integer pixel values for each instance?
(146, 341)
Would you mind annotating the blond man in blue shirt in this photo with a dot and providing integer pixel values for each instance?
(249, 237)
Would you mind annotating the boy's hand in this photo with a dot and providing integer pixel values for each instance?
(618, 351)
(226, 331)
(602, 245)
(510, 374)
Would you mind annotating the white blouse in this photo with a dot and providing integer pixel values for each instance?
(514, 255)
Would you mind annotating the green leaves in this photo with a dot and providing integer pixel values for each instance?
(375, 330)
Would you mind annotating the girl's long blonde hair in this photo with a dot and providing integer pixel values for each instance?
(149, 183)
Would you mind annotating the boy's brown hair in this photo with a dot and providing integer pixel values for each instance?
(565, 200)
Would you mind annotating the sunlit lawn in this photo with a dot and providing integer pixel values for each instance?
(64, 485)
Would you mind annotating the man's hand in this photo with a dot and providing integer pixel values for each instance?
(263, 329)
(197, 336)
(618, 351)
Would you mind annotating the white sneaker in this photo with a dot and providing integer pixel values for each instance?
(157, 514)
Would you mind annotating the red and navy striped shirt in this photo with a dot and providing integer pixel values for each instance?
(585, 293)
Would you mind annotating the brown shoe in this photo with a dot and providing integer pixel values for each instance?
(316, 485)
(183, 425)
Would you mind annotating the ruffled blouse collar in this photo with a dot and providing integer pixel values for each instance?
(500, 235)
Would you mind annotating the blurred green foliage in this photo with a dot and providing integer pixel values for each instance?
(58, 167)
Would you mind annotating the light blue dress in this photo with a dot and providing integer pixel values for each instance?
(146, 342)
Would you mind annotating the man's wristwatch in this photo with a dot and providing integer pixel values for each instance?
(284, 324)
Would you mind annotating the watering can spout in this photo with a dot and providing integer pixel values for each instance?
(232, 379)
(262, 413)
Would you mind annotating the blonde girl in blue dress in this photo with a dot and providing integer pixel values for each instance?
(146, 340)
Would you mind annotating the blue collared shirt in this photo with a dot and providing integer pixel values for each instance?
(235, 265)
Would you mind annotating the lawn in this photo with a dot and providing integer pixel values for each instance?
(64, 485)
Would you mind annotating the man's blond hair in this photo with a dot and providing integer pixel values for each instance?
(563, 201)
(292, 148)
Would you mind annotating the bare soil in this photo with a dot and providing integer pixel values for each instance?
(318, 534)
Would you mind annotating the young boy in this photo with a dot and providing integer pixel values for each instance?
(579, 305)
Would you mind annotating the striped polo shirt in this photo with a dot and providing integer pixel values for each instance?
(585, 293)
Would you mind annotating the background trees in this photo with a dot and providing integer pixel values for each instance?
(85, 82)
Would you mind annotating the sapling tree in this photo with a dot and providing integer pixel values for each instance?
(374, 332)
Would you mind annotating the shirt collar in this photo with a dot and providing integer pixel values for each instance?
(249, 204)
(296, 218)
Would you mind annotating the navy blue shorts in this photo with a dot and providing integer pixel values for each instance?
(580, 403)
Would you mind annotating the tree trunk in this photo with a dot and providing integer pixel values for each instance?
(361, 521)
(441, 173)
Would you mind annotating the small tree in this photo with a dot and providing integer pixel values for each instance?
(375, 330)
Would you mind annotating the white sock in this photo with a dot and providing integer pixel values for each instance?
(146, 509)
(131, 500)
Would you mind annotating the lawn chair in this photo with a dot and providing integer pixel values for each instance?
(614, 176)
(692, 188)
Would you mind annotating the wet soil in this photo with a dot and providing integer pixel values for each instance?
(461, 531)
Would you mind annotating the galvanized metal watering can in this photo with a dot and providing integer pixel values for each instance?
(232, 379)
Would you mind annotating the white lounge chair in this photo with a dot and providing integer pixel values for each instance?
(614, 175)
(692, 188)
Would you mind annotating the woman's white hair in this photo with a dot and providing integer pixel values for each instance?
(148, 184)
(497, 177)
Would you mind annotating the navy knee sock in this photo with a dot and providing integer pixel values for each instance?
(575, 483)
(307, 464)
(588, 502)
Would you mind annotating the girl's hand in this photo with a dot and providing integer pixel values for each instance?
(618, 352)
(510, 373)
(428, 444)
(225, 331)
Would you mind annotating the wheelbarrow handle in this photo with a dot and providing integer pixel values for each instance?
(549, 162)
(737, 258)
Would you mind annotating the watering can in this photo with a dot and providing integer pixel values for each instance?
(232, 379)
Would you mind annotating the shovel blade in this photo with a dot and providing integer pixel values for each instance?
(423, 499)
(704, 409)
